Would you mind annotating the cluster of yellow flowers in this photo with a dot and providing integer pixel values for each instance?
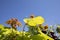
(34, 20)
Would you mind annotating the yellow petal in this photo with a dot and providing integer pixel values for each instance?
(39, 20)
(26, 20)
(32, 23)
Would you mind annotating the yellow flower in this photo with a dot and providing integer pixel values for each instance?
(7, 32)
(30, 21)
(17, 32)
(39, 20)
(1, 26)
(26, 20)
(34, 21)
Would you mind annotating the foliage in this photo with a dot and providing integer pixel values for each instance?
(37, 31)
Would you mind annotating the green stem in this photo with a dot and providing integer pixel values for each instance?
(23, 32)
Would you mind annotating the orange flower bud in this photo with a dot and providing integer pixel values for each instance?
(32, 16)
(46, 27)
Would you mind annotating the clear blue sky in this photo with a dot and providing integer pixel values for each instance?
(49, 9)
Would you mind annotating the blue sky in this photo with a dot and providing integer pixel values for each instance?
(49, 9)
